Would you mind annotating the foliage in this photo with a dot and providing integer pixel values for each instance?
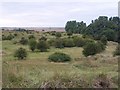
(102, 26)
(9, 37)
(117, 52)
(68, 42)
(104, 40)
(59, 43)
(78, 41)
(69, 33)
(59, 57)
(23, 41)
(31, 37)
(42, 46)
(58, 34)
(43, 38)
(93, 48)
(110, 34)
(20, 53)
(32, 44)
(75, 27)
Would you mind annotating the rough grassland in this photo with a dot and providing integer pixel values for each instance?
(36, 69)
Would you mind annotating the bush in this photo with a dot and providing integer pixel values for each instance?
(79, 42)
(51, 42)
(42, 46)
(59, 57)
(20, 53)
(104, 40)
(58, 34)
(101, 46)
(117, 51)
(23, 41)
(59, 43)
(68, 42)
(9, 37)
(32, 44)
(31, 37)
(92, 48)
(69, 33)
(43, 38)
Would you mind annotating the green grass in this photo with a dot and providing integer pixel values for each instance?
(36, 69)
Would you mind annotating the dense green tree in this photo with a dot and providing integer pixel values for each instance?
(110, 34)
(102, 26)
(71, 26)
(75, 27)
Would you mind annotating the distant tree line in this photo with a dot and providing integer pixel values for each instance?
(103, 26)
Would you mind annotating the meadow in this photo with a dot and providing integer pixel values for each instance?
(37, 72)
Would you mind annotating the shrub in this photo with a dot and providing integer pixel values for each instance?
(51, 42)
(9, 37)
(15, 34)
(20, 53)
(43, 38)
(101, 46)
(59, 43)
(23, 41)
(79, 42)
(68, 42)
(104, 40)
(32, 44)
(69, 33)
(42, 46)
(117, 51)
(59, 57)
(31, 37)
(58, 34)
(92, 48)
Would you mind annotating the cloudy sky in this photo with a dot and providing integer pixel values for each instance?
(51, 13)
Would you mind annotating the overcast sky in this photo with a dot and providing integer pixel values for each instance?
(51, 13)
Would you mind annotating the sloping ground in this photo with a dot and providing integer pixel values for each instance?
(82, 71)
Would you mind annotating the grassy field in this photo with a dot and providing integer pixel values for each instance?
(36, 70)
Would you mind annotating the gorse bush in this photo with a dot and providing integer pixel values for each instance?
(20, 53)
(59, 57)
(68, 42)
(79, 42)
(42, 46)
(59, 43)
(93, 48)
